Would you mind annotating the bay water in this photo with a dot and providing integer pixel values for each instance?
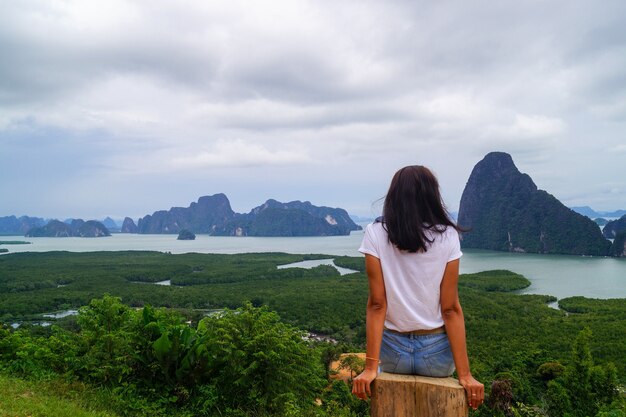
(557, 275)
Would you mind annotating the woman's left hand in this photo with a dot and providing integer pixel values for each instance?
(361, 384)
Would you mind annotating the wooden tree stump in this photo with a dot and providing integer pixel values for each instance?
(395, 395)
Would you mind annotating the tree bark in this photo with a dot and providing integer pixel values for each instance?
(395, 395)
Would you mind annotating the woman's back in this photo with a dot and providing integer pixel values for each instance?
(412, 280)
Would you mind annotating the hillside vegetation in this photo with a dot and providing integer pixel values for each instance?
(252, 361)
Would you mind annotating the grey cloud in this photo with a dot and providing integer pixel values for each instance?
(44, 154)
(312, 118)
(359, 86)
(56, 60)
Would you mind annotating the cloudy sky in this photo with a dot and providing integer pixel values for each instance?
(122, 108)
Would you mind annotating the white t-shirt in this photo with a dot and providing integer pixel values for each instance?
(412, 280)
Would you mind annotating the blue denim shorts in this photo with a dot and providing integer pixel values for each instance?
(427, 355)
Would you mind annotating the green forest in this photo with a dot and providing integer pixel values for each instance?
(228, 337)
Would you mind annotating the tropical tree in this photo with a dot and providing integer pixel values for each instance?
(352, 363)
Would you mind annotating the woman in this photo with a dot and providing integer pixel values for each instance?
(415, 324)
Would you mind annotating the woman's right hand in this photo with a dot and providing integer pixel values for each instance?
(475, 390)
(361, 384)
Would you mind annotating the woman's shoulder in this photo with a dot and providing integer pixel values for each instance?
(446, 232)
(376, 227)
(451, 231)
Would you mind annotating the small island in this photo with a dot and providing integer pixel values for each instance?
(186, 235)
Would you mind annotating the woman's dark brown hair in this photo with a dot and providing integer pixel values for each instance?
(413, 204)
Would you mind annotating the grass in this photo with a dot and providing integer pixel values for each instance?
(22, 398)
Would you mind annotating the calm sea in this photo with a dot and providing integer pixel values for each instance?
(558, 275)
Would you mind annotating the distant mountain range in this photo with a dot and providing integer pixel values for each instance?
(592, 214)
(11, 225)
(505, 211)
(213, 215)
(39, 227)
(77, 228)
(209, 215)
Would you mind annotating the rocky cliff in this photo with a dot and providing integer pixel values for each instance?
(209, 215)
(91, 228)
(129, 226)
(618, 248)
(297, 218)
(505, 211)
(614, 228)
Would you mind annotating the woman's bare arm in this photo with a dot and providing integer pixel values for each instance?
(455, 327)
(375, 320)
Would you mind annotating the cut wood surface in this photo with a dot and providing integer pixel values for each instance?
(395, 395)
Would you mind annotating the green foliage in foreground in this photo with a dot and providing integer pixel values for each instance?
(238, 363)
(515, 338)
(579, 389)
